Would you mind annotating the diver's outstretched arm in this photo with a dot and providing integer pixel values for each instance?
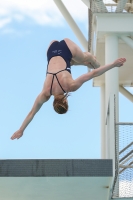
(42, 98)
(76, 84)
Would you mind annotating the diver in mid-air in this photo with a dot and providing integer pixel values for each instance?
(61, 56)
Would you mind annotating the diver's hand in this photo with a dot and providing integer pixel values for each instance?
(119, 62)
(17, 135)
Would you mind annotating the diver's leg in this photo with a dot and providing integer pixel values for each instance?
(83, 58)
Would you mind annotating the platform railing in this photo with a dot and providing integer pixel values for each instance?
(123, 181)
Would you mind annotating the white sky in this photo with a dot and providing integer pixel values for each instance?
(40, 11)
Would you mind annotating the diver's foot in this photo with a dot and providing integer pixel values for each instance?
(91, 61)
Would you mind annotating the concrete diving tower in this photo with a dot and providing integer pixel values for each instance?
(55, 179)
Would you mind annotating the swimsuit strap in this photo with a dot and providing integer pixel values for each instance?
(55, 75)
(60, 71)
(51, 85)
(60, 84)
(56, 72)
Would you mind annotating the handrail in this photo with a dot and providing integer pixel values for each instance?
(126, 166)
(126, 159)
(126, 156)
(126, 148)
(124, 123)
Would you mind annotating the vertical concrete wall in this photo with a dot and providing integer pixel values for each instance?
(111, 89)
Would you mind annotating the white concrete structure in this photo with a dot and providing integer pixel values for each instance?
(109, 30)
(55, 179)
(111, 35)
(111, 89)
(57, 188)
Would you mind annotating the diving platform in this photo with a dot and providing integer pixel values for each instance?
(61, 179)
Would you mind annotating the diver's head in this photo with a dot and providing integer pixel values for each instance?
(60, 103)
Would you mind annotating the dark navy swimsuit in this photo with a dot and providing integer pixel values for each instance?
(59, 49)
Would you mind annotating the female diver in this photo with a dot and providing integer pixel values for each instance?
(59, 82)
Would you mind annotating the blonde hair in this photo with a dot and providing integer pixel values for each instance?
(59, 104)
